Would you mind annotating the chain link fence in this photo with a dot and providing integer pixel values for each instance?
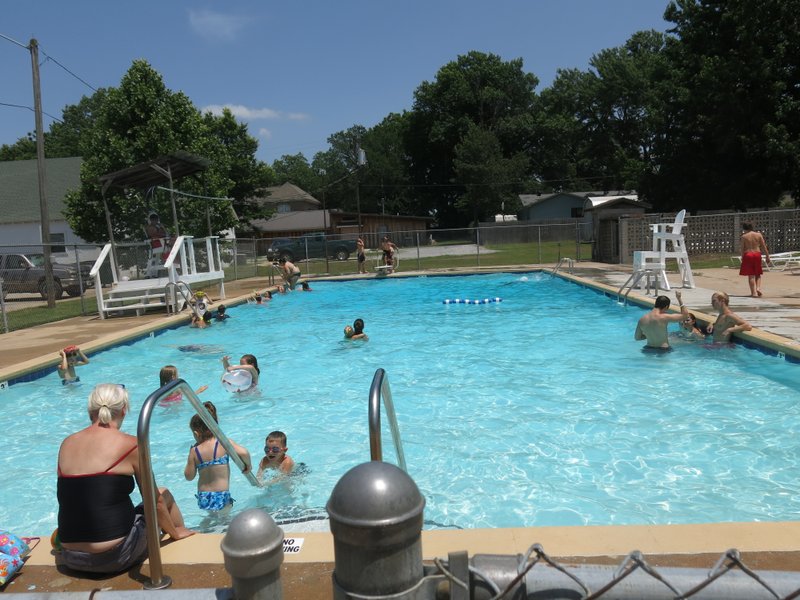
(23, 285)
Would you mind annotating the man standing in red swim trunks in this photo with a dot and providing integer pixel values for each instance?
(753, 245)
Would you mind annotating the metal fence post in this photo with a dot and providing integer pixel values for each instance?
(3, 307)
(419, 262)
(478, 245)
(375, 513)
(539, 232)
(253, 551)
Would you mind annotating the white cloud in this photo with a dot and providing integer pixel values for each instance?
(264, 133)
(243, 112)
(247, 113)
(211, 24)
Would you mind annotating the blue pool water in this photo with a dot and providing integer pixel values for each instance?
(539, 410)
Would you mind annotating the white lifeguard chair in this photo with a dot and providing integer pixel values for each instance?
(649, 266)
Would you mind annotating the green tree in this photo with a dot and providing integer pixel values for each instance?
(476, 89)
(597, 129)
(295, 168)
(732, 134)
(385, 185)
(23, 149)
(142, 120)
(488, 178)
(337, 167)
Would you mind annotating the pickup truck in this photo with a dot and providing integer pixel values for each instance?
(310, 246)
(23, 273)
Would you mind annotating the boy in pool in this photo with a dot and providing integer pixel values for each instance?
(275, 456)
(71, 357)
(221, 314)
(348, 331)
(728, 322)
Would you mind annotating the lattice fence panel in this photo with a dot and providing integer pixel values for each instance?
(716, 233)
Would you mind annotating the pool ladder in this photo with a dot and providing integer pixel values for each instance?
(149, 490)
(562, 261)
(380, 389)
(171, 292)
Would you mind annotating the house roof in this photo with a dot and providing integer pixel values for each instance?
(593, 202)
(288, 192)
(533, 199)
(19, 188)
(299, 220)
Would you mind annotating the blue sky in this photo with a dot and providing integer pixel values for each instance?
(295, 71)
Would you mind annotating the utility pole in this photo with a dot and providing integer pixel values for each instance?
(361, 160)
(43, 208)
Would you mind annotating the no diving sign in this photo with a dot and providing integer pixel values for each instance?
(292, 545)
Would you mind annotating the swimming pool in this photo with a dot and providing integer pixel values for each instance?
(538, 410)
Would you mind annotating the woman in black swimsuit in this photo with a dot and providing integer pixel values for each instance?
(99, 528)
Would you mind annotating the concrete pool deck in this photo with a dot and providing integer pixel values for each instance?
(196, 562)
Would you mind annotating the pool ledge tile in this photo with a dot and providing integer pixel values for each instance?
(574, 541)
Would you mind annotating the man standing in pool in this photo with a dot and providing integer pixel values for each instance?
(289, 272)
(653, 326)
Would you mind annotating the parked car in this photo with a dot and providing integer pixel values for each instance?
(23, 273)
(312, 245)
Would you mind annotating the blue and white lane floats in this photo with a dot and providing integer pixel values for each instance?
(468, 301)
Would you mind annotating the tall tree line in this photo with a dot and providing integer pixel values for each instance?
(705, 116)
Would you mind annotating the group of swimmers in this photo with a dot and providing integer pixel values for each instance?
(652, 327)
(209, 461)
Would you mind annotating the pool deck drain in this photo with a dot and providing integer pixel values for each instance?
(196, 562)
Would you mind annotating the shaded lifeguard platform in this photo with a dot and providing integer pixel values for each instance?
(167, 278)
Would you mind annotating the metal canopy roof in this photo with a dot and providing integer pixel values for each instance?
(150, 173)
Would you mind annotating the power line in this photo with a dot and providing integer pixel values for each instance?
(31, 109)
(67, 70)
(179, 192)
(13, 41)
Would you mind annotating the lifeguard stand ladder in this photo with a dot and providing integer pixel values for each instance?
(668, 242)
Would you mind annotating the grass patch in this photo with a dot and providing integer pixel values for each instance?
(39, 315)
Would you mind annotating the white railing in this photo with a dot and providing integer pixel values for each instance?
(181, 265)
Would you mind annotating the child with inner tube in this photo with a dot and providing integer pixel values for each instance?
(248, 363)
(209, 460)
(71, 357)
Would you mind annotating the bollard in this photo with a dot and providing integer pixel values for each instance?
(375, 515)
(253, 550)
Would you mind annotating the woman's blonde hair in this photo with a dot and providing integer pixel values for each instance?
(108, 401)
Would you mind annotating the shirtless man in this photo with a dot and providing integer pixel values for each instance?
(653, 326)
(753, 245)
(727, 322)
(289, 272)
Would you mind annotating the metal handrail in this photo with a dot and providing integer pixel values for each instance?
(380, 389)
(570, 264)
(178, 287)
(147, 481)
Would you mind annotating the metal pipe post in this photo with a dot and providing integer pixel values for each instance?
(253, 551)
(376, 520)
